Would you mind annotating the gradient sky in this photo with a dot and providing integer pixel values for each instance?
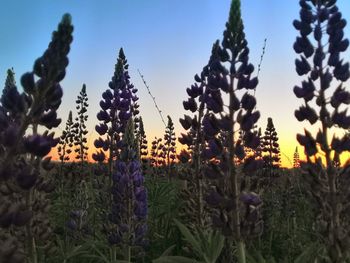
(169, 41)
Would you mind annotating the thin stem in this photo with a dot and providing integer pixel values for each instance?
(232, 174)
(330, 171)
(241, 252)
(197, 165)
(114, 254)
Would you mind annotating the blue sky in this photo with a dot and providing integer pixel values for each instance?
(169, 41)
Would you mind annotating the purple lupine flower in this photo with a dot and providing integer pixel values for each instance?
(22, 151)
(142, 144)
(129, 209)
(168, 151)
(320, 45)
(220, 124)
(250, 199)
(118, 104)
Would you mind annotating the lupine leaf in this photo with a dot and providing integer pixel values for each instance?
(188, 236)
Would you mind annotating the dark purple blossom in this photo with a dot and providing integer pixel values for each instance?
(129, 209)
(118, 104)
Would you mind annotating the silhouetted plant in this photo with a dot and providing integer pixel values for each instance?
(66, 140)
(169, 150)
(194, 139)
(258, 150)
(129, 209)
(194, 209)
(270, 146)
(156, 152)
(79, 128)
(296, 160)
(118, 105)
(142, 145)
(10, 81)
(320, 45)
(63, 179)
(220, 132)
(22, 163)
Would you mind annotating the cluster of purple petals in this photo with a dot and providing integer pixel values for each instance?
(321, 23)
(38, 104)
(35, 107)
(129, 209)
(118, 105)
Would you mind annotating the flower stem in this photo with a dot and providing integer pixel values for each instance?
(241, 252)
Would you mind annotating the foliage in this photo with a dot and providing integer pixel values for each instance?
(164, 204)
(325, 101)
(215, 208)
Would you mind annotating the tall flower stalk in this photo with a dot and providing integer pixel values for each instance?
(142, 145)
(79, 129)
(129, 209)
(118, 105)
(66, 141)
(228, 72)
(221, 129)
(23, 150)
(195, 142)
(270, 147)
(169, 147)
(157, 157)
(320, 44)
(296, 158)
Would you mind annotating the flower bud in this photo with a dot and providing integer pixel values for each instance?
(28, 83)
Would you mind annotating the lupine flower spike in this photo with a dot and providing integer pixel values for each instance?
(23, 150)
(320, 45)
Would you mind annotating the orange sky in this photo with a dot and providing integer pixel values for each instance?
(287, 149)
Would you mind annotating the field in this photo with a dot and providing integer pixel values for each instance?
(218, 192)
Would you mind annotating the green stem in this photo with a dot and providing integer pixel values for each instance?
(114, 254)
(241, 252)
(232, 174)
(128, 254)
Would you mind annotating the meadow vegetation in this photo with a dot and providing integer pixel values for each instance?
(223, 198)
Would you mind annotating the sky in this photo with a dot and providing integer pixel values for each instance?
(169, 41)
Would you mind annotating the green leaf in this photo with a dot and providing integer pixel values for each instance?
(216, 243)
(309, 254)
(207, 243)
(168, 251)
(188, 236)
